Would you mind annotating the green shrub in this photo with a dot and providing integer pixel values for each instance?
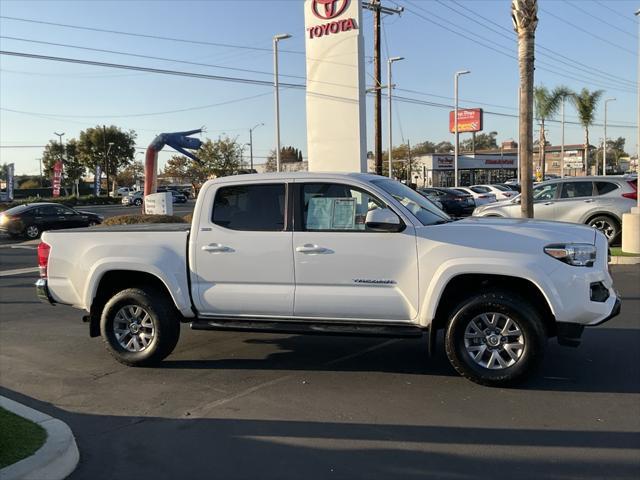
(133, 219)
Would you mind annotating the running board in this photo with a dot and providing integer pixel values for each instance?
(290, 327)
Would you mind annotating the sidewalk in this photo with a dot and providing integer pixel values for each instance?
(55, 460)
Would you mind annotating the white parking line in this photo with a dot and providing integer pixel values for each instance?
(18, 271)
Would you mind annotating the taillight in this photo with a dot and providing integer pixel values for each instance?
(43, 258)
(633, 195)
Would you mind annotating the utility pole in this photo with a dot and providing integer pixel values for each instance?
(390, 121)
(376, 7)
(276, 40)
(562, 143)
(456, 145)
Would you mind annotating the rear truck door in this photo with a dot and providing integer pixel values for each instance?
(343, 270)
(241, 256)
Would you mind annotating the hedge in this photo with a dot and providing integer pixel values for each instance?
(70, 201)
(133, 219)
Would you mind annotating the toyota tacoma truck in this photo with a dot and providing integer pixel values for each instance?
(351, 254)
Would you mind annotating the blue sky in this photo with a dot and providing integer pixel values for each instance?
(61, 97)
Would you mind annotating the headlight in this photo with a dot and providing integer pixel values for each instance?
(576, 254)
(3, 219)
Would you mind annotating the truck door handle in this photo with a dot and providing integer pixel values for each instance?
(589, 200)
(311, 249)
(549, 203)
(216, 248)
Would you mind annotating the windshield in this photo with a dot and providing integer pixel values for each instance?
(419, 206)
(500, 187)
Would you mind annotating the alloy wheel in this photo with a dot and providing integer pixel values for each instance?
(605, 227)
(494, 340)
(134, 328)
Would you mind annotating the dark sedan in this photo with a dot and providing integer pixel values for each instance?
(32, 219)
(454, 202)
(178, 197)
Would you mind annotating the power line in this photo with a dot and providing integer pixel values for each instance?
(552, 53)
(577, 27)
(553, 68)
(143, 35)
(585, 12)
(150, 57)
(248, 81)
(148, 69)
(615, 11)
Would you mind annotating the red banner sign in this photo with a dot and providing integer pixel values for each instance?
(469, 120)
(57, 178)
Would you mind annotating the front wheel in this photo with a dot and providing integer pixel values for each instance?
(140, 326)
(137, 202)
(495, 339)
(606, 225)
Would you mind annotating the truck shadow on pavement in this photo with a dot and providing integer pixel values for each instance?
(126, 447)
(607, 361)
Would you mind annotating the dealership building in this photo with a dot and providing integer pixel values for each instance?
(437, 169)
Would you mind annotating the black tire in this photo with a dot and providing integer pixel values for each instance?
(161, 312)
(607, 225)
(32, 232)
(505, 304)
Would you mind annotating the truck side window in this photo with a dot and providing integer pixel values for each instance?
(336, 207)
(250, 207)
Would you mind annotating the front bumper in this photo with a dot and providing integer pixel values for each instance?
(569, 334)
(42, 290)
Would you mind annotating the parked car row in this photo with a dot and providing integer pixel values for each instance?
(136, 198)
(31, 219)
(595, 201)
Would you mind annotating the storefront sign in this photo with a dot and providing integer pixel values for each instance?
(159, 204)
(336, 121)
(469, 120)
(57, 178)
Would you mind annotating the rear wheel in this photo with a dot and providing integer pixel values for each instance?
(140, 326)
(495, 339)
(32, 232)
(607, 225)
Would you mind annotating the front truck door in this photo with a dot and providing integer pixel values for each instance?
(342, 269)
(241, 259)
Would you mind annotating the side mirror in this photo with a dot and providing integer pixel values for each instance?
(383, 220)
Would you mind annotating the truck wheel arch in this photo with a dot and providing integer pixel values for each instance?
(114, 281)
(461, 286)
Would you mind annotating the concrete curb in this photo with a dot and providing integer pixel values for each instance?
(55, 460)
(619, 260)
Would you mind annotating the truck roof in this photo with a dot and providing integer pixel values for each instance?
(365, 177)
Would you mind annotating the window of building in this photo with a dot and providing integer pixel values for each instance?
(250, 207)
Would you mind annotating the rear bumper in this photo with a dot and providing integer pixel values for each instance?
(569, 334)
(42, 290)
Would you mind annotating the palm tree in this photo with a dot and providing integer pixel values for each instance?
(586, 103)
(525, 20)
(546, 105)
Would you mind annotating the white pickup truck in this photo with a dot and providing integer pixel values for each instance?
(352, 254)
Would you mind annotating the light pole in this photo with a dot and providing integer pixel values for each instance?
(390, 96)
(276, 39)
(251, 142)
(638, 121)
(106, 163)
(60, 135)
(455, 124)
(604, 145)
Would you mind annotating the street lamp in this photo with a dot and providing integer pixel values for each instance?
(390, 95)
(251, 142)
(455, 123)
(60, 135)
(604, 148)
(276, 39)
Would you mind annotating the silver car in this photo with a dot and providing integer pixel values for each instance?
(595, 201)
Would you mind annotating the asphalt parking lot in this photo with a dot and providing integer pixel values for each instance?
(242, 405)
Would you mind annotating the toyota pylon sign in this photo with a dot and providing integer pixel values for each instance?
(469, 120)
(57, 178)
(336, 123)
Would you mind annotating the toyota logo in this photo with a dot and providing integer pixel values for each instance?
(328, 9)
